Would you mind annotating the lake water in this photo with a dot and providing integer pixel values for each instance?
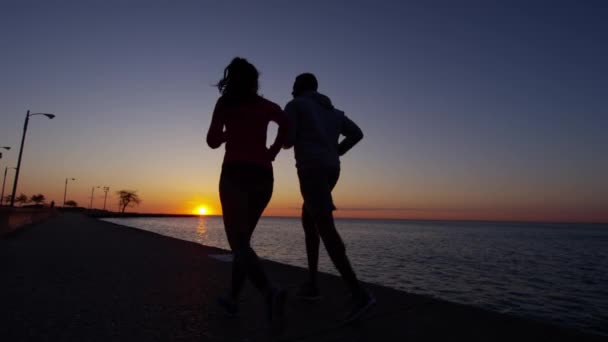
(552, 272)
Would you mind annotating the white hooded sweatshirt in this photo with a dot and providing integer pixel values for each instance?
(315, 128)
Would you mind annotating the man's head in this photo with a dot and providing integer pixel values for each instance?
(304, 82)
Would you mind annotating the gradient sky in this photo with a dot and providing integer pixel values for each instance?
(471, 110)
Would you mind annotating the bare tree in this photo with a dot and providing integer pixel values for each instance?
(127, 198)
(22, 199)
(71, 203)
(38, 199)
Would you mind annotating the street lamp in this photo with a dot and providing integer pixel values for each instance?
(65, 191)
(4, 182)
(105, 197)
(92, 191)
(2, 197)
(6, 148)
(27, 119)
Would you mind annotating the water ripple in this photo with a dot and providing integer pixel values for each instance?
(554, 272)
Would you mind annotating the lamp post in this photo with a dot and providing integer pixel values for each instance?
(4, 182)
(92, 192)
(105, 197)
(27, 119)
(65, 191)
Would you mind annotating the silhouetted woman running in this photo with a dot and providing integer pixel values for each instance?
(241, 119)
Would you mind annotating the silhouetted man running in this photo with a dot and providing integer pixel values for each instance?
(316, 126)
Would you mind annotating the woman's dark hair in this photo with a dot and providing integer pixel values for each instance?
(240, 80)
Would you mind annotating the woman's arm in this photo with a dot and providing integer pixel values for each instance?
(216, 134)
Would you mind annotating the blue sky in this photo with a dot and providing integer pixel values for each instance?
(491, 110)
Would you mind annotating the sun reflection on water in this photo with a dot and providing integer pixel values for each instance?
(202, 229)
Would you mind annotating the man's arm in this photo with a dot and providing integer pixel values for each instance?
(291, 111)
(279, 116)
(352, 134)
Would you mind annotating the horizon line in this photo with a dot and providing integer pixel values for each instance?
(383, 218)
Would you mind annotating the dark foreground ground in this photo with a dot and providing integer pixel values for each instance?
(73, 278)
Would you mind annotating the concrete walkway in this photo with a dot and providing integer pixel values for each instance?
(73, 278)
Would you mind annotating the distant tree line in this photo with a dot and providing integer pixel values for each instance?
(23, 199)
(126, 199)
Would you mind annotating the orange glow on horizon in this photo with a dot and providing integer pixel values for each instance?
(201, 210)
(210, 208)
(350, 205)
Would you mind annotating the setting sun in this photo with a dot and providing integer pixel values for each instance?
(201, 210)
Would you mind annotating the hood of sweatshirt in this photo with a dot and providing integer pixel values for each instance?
(320, 99)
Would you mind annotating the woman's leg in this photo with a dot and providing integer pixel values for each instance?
(244, 196)
(258, 198)
(234, 207)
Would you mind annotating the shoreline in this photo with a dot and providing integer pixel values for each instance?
(521, 315)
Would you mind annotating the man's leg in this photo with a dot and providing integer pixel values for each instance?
(362, 300)
(312, 245)
(337, 251)
(316, 186)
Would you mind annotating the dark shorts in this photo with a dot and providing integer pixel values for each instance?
(316, 185)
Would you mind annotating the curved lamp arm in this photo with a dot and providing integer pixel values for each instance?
(48, 115)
